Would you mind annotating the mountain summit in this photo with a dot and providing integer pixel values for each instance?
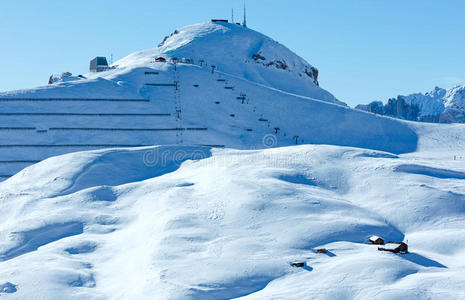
(238, 51)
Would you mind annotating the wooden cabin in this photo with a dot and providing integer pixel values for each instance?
(298, 264)
(395, 247)
(374, 239)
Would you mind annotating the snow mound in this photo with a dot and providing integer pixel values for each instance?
(177, 222)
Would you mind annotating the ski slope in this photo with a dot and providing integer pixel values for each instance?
(242, 104)
(226, 200)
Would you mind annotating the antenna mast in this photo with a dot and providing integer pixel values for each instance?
(245, 17)
(232, 15)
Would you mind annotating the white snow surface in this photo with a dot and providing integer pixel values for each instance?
(191, 220)
(184, 222)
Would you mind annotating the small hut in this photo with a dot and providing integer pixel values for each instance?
(219, 20)
(395, 247)
(298, 264)
(374, 239)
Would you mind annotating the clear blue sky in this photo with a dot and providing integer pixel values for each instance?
(365, 49)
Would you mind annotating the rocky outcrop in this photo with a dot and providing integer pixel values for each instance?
(309, 71)
(63, 77)
(395, 107)
(437, 106)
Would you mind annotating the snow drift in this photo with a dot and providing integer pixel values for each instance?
(200, 223)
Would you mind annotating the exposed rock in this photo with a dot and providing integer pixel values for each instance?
(438, 106)
(398, 108)
(281, 65)
(258, 56)
(312, 73)
(164, 40)
(65, 76)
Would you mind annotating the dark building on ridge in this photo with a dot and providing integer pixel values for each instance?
(99, 64)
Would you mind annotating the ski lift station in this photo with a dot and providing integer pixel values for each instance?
(99, 64)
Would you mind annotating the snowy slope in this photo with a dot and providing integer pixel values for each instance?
(178, 222)
(243, 104)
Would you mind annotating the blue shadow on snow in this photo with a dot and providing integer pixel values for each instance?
(31, 240)
(421, 260)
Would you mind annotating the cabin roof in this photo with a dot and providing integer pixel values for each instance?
(392, 246)
(375, 237)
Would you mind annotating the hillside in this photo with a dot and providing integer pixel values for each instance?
(244, 103)
(438, 106)
(179, 222)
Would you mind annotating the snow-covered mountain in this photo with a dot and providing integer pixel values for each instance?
(439, 105)
(259, 94)
(226, 201)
